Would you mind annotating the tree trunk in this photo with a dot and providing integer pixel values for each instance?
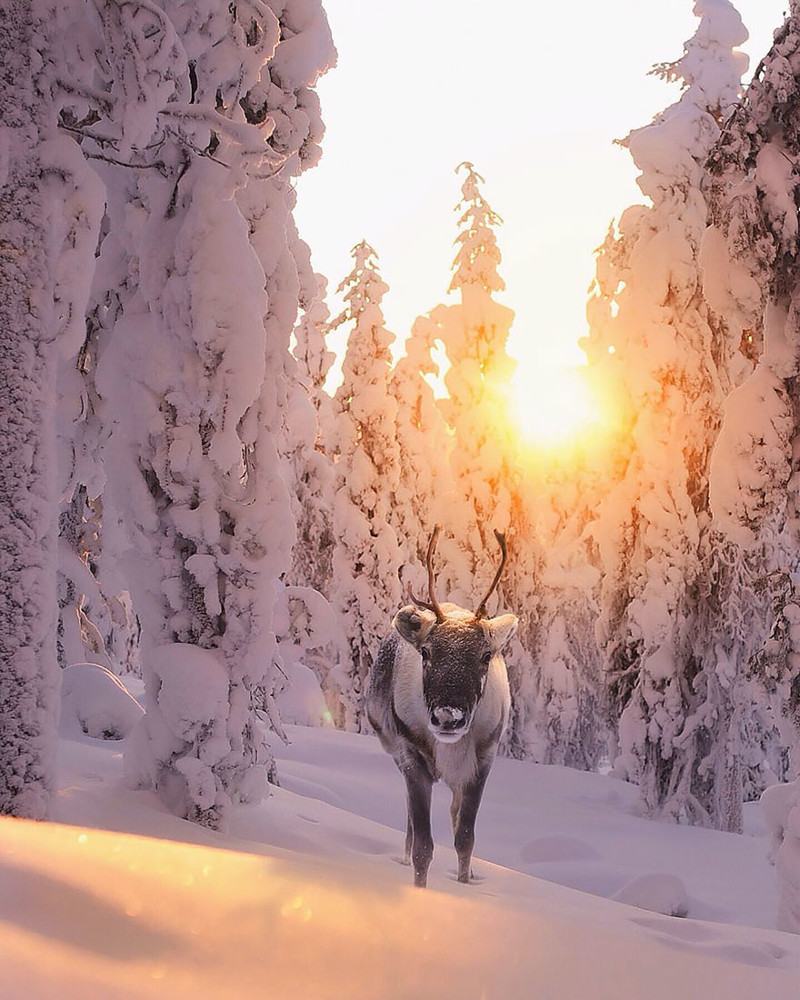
(28, 669)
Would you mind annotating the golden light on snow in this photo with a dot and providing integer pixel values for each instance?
(554, 406)
(297, 908)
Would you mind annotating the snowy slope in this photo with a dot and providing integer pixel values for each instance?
(304, 898)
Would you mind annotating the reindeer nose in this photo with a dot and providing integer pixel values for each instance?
(447, 717)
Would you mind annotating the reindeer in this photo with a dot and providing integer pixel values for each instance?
(439, 700)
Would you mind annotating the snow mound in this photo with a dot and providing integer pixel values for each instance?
(659, 893)
(95, 703)
(781, 808)
(301, 702)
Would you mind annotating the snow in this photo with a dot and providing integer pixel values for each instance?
(96, 703)
(301, 700)
(752, 457)
(781, 805)
(304, 897)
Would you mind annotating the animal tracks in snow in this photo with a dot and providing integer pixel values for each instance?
(690, 935)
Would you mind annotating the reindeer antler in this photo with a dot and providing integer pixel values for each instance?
(501, 541)
(432, 604)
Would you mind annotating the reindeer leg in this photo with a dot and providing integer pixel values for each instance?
(420, 785)
(409, 833)
(455, 806)
(471, 795)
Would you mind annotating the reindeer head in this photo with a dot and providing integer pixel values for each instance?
(457, 649)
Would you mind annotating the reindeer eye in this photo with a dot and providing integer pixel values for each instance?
(425, 654)
(486, 658)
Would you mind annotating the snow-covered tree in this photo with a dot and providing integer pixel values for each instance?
(50, 207)
(653, 337)
(485, 490)
(285, 94)
(555, 672)
(367, 559)
(310, 636)
(753, 280)
(308, 427)
(198, 296)
(474, 332)
(424, 487)
(314, 359)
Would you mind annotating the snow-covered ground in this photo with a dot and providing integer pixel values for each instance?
(305, 898)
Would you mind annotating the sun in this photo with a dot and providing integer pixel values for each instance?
(554, 407)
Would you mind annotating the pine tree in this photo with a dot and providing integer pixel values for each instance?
(652, 333)
(367, 558)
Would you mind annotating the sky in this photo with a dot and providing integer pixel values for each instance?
(534, 95)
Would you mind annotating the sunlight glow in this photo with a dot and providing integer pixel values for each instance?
(554, 406)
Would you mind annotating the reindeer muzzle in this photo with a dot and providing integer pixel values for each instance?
(448, 723)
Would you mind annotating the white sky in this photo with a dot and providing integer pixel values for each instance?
(533, 93)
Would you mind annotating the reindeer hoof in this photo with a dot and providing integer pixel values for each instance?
(466, 876)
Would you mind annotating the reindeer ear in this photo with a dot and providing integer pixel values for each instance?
(414, 624)
(500, 630)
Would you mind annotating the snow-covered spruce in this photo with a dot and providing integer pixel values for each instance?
(49, 214)
(367, 558)
(198, 291)
(474, 332)
(750, 257)
(424, 489)
(671, 665)
(314, 359)
(487, 492)
(307, 448)
(555, 668)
